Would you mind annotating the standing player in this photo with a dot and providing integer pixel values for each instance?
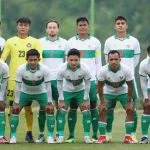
(115, 84)
(4, 70)
(144, 72)
(53, 56)
(73, 81)
(2, 41)
(16, 47)
(90, 49)
(129, 49)
(32, 83)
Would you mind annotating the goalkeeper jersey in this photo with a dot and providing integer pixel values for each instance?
(16, 48)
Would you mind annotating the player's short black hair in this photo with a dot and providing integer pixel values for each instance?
(73, 51)
(53, 21)
(24, 20)
(113, 52)
(82, 19)
(120, 18)
(148, 49)
(32, 52)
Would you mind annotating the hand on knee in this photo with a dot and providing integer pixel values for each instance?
(85, 105)
(2, 106)
(147, 107)
(50, 108)
(16, 109)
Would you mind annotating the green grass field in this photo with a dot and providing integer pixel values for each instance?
(118, 135)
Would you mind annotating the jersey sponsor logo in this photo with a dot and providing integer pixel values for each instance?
(121, 77)
(33, 82)
(29, 45)
(39, 77)
(74, 82)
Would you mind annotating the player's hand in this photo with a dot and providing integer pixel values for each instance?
(129, 106)
(15, 108)
(61, 104)
(102, 106)
(85, 104)
(50, 108)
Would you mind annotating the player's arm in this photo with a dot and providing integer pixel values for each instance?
(130, 89)
(18, 85)
(38, 46)
(143, 80)
(60, 76)
(106, 50)
(98, 56)
(137, 52)
(47, 79)
(4, 80)
(6, 51)
(87, 78)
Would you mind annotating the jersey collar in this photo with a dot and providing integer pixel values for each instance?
(78, 38)
(69, 67)
(109, 68)
(121, 39)
(28, 68)
(55, 39)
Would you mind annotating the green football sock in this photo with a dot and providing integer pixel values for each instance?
(50, 124)
(110, 119)
(135, 117)
(102, 127)
(14, 120)
(145, 122)
(2, 123)
(61, 121)
(86, 120)
(41, 120)
(129, 127)
(72, 119)
(94, 121)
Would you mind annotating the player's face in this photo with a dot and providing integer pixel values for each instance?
(52, 29)
(114, 61)
(121, 26)
(33, 61)
(73, 61)
(82, 28)
(23, 28)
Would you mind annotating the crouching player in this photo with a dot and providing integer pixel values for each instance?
(32, 83)
(115, 84)
(73, 82)
(144, 72)
(4, 71)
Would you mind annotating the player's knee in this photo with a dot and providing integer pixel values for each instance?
(83, 108)
(102, 111)
(49, 111)
(129, 112)
(147, 108)
(15, 111)
(2, 106)
(93, 104)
